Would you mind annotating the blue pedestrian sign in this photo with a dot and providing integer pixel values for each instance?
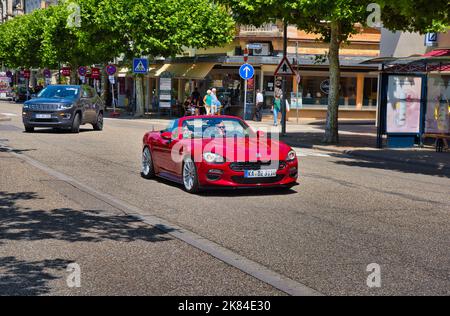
(246, 71)
(140, 65)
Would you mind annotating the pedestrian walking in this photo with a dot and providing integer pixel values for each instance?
(215, 103)
(259, 105)
(276, 109)
(207, 101)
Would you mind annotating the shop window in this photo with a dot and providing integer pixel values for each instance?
(370, 91)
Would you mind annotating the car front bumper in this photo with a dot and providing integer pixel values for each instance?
(222, 175)
(62, 119)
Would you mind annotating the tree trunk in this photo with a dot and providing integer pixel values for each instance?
(74, 75)
(331, 130)
(139, 97)
(105, 89)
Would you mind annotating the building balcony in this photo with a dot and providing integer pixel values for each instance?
(265, 30)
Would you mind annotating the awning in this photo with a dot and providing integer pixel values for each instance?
(182, 71)
(438, 53)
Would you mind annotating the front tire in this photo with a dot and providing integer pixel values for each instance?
(29, 129)
(148, 170)
(76, 124)
(98, 125)
(190, 177)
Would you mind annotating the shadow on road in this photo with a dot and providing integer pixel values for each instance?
(59, 131)
(31, 278)
(230, 192)
(17, 151)
(359, 161)
(310, 139)
(18, 223)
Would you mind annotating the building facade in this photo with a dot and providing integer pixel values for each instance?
(10, 9)
(219, 67)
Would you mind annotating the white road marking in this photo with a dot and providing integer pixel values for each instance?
(258, 271)
(9, 114)
(310, 153)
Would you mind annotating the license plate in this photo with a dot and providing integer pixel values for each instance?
(270, 173)
(43, 116)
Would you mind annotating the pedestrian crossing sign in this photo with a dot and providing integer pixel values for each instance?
(284, 68)
(140, 65)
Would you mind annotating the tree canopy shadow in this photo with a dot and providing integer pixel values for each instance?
(69, 225)
(363, 159)
(17, 223)
(20, 278)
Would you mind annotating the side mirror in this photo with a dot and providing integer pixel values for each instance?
(260, 134)
(34, 96)
(166, 135)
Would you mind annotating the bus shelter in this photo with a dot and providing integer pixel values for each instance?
(414, 99)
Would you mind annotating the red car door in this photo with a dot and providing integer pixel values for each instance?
(162, 148)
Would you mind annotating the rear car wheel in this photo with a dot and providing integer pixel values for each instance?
(190, 178)
(147, 171)
(29, 129)
(76, 123)
(98, 125)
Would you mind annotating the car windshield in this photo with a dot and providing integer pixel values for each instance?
(215, 127)
(59, 92)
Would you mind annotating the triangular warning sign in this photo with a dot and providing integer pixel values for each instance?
(284, 68)
(140, 67)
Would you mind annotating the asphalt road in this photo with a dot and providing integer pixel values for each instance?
(346, 214)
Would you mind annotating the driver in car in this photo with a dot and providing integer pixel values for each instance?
(221, 131)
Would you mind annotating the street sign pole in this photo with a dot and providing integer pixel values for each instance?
(245, 98)
(246, 72)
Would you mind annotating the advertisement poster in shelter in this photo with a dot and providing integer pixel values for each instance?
(403, 105)
(5, 87)
(437, 119)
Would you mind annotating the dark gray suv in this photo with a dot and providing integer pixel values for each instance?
(64, 106)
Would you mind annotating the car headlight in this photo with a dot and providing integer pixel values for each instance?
(26, 106)
(291, 155)
(213, 157)
(65, 106)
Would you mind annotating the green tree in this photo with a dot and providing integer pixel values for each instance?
(110, 28)
(88, 43)
(162, 28)
(20, 40)
(336, 21)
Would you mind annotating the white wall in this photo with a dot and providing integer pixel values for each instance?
(403, 44)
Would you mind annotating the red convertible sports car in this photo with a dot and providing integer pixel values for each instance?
(203, 152)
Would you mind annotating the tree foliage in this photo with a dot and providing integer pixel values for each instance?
(109, 28)
(336, 21)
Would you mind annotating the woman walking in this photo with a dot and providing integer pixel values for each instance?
(207, 100)
(276, 109)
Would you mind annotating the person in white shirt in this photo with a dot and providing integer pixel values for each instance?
(259, 105)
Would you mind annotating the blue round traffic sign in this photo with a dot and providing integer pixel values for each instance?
(246, 71)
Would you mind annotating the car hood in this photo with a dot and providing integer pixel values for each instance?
(49, 101)
(241, 149)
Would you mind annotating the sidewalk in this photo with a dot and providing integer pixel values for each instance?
(363, 145)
